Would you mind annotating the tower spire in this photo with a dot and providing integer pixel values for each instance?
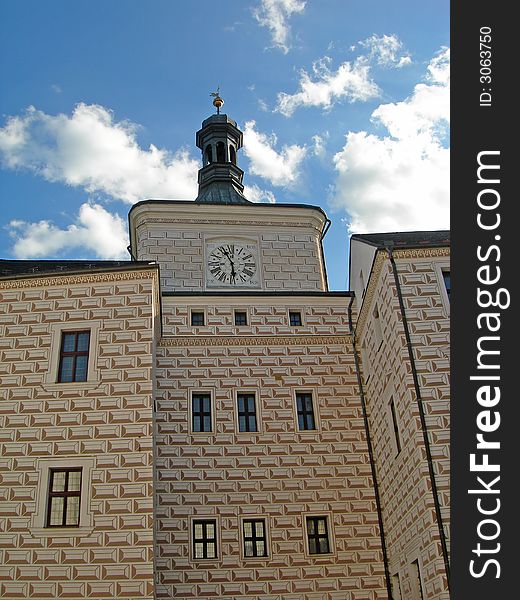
(220, 178)
(217, 100)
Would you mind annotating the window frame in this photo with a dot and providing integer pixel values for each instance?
(326, 518)
(377, 328)
(66, 494)
(247, 393)
(441, 267)
(51, 382)
(74, 354)
(204, 540)
(394, 423)
(254, 519)
(198, 311)
(201, 392)
(241, 312)
(313, 396)
(292, 312)
(38, 525)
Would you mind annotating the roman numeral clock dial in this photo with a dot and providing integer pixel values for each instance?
(230, 264)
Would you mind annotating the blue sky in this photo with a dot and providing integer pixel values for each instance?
(344, 104)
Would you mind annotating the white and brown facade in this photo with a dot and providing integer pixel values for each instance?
(197, 422)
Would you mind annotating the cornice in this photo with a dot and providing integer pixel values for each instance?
(381, 256)
(264, 340)
(421, 252)
(28, 281)
(144, 220)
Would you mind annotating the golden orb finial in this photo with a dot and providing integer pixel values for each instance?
(217, 100)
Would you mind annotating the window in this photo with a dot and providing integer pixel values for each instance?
(64, 498)
(197, 318)
(395, 425)
(209, 154)
(240, 318)
(246, 412)
(201, 412)
(446, 275)
(317, 535)
(305, 411)
(221, 152)
(378, 333)
(255, 542)
(295, 318)
(73, 356)
(232, 155)
(204, 539)
(395, 582)
(416, 581)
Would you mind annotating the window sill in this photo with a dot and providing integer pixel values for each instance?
(71, 385)
(44, 532)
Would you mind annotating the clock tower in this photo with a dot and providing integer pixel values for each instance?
(262, 469)
(222, 241)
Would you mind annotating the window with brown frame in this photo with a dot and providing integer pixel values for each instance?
(317, 535)
(255, 541)
(204, 539)
(74, 356)
(64, 498)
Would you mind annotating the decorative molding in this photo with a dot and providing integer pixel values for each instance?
(421, 252)
(381, 256)
(29, 280)
(241, 222)
(264, 340)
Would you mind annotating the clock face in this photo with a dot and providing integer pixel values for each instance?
(232, 264)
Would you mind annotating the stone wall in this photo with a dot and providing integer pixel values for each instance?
(408, 509)
(103, 425)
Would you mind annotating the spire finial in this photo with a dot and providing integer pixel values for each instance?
(218, 101)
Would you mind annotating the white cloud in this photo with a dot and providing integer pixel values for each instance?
(319, 145)
(400, 181)
(279, 168)
(350, 81)
(385, 51)
(256, 194)
(96, 230)
(274, 15)
(90, 150)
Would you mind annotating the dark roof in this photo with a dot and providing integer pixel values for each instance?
(10, 268)
(405, 239)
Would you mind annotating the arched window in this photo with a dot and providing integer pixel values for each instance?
(232, 155)
(209, 154)
(221, 152)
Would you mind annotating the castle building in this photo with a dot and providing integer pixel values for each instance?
(208, 420)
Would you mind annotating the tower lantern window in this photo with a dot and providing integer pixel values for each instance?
(209, 154)
(221, 152)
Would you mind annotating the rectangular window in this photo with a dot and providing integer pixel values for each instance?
(395, 582)
(255, 541)
(201, 412)
(446, 275)
(305, 411)
(317, 535)
(240, 318)
(378, 332)
(416, 581)
(64, 498)
(73, 356)
(246, 406)
(295, 318)
(204, 539)
(197, 318)
(395, 425)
